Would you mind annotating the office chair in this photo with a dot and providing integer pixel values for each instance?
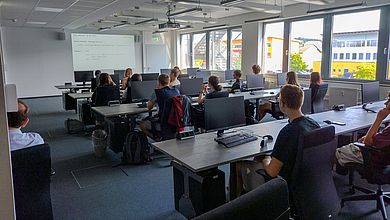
(267, 202)
(374, 175)
(105, 94)
(31, 170)
(317, 98)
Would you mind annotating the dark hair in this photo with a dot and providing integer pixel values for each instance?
(128, 70)
(291, 96)
(175, 72)
(237, 73)
(163, 79)
(292, 78)
(16, 119)
(104, 79)
(256, 69)
(214, 82)
(315, 78)
(136, 77)
(97, 72)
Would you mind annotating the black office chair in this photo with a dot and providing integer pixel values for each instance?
(267, 202)
(31, 170)
(105, 94)
(312, 188)
(374, 175)
(317, 98)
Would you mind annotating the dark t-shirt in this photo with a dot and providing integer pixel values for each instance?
(286, 145)
(236, 85)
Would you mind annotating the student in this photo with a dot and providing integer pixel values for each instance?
(127, 75)
(176, 67)
(174, 82)
(97, 73)
(315, 82)
(215, 90)
(165, 93)
(291, 79)
(127, 93)
(256, 69)
(351, 154)
(282, 159)
(237, 84)
(104, 80)
(16, 121)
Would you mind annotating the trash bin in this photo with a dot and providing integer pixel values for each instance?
(99, 142)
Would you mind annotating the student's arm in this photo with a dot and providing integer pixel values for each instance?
(201, 96)
(272, 166)
(150, 105)
(382, 114)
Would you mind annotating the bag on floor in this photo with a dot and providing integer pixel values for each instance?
(74, 126)
(136, 148)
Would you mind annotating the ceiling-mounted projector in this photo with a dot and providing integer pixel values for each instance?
(169, 25)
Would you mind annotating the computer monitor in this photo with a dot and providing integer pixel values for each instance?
(370, 92)
(115, 78)
(83, 76)
(254, 81)
(224, 113)
(165, 71)
(150, 76)
(203, 74)
(142, 90)
(281, 79)
(229, 75)
(119, 72)
(191, 72)
(191, 87)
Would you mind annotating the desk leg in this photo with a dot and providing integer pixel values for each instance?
(233, 181)
(257, 108)
(132, 122)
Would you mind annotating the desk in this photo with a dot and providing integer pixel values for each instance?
(73, 87)
(84, 95)
(67, 101)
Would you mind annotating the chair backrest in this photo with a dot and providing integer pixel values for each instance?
(31, 168)
(306, 106)
(317, 102)
(267, 202)
(105, 94)
(93, 84)
(312, 187)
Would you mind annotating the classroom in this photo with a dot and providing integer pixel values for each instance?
(194, 109)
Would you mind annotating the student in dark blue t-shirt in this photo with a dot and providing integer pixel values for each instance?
(282, 159)
(215, 90)
(237, 84)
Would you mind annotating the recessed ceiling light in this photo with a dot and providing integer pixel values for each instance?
(45, 9)
(36, 22)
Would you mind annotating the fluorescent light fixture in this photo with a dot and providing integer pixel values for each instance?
(146, 21)
(316, 2)
(231, 2)
(104, 28)
(262, 19)
(215, 26)
(159, 32)
(37, 22)
(358, 5)
(120, 25)
(45, 9)
(185, 12)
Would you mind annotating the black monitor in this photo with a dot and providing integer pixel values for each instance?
(119, 72)
(165, 71)
(191, 72)
(191, 87)
(150, 76)
(370, 92)
(281, 79)
(142, 90)
(115, 78)
(254, 81)
(224, 113)
(229, 75)
(203, 74)
(83, 76)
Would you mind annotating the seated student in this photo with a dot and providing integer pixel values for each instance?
(256, 69)
(237, 84)
(315, 82)
(16, 121)
(282, 159)
(215, 90)
(104, 80)
(351, 154)
(174, 82)
(127, 93)
(176, 67)
(128, 73)
(166, 92)
(264, 108)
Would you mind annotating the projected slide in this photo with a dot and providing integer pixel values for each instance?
(102, 51)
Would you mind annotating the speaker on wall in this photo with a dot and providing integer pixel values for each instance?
(61, 36)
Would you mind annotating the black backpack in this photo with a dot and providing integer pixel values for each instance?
(136, 148)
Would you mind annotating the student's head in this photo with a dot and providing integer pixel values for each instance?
(136, 77)
(214, 83)
(387, 103)
(105, 79)
(256, 69)
(20, 118)
(97, 72)
(128, 72)
(237, 74)
(292, 78)
(163, 80)
(174, 74)
(290, 98)
(315, 78)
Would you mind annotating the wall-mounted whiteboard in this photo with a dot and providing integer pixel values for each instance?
(102, 51)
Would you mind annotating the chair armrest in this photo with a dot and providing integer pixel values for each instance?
(263, 173)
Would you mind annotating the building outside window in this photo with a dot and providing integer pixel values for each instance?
(185, 46)
(236, 49)
(218, 50)
(273, 47)
(199, 51)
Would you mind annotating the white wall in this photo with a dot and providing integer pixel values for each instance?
(35, 60)
(251, 46)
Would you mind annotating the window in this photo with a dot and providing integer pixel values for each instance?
(273, 41)
(199, 50)
(185, 48)
(335, 56)
(360, 31)
(341, 56)
(306, 46)
(236, 49)
(218, 50)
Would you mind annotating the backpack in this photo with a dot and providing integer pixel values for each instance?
(74, 126)
(136, 148)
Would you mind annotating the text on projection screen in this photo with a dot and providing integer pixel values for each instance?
(101, 51)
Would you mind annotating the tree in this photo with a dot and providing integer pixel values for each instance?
(365, 71)
(297, 64)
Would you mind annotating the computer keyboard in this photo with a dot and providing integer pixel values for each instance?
(235, 140)
(142, 105)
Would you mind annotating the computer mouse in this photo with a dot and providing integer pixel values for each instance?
(328, 122)
(266, 139)
(270, 138)
(252, 93)
(271, 93)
